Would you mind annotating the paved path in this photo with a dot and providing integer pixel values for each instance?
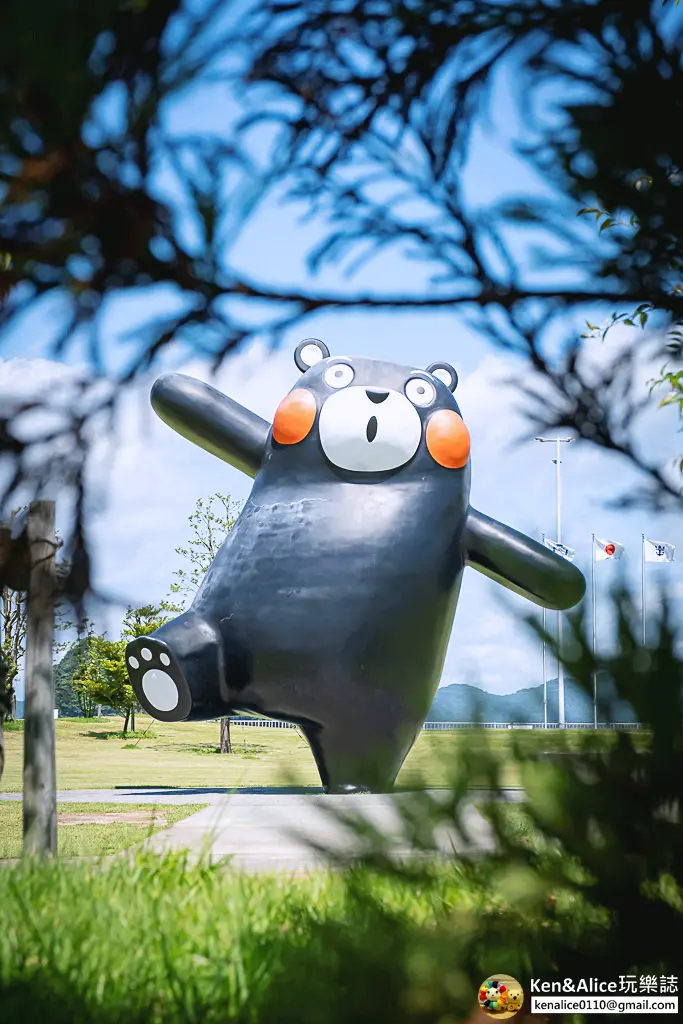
(216, 795)
(291, 833)
(162, 794)
(279, 829)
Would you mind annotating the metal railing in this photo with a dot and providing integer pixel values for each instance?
(430, 726)
(273, 723)
(263, 723)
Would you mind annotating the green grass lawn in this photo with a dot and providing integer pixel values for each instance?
(92, 754)
(150, 939)
(119, 826)
(161, 940)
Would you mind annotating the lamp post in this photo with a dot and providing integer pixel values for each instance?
(545, 671)
(557, 441)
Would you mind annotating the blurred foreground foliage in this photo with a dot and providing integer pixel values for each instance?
(583, 879)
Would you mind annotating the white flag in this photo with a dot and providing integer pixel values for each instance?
(560, 549)
(607, 549)
(658, 551)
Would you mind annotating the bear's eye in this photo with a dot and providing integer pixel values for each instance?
(420, 391)
(339, 375)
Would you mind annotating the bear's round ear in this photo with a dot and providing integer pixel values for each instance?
(444, 372)
(310, 351)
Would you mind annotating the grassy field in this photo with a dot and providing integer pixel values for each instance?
(158, 940)
(162, 940)
(92, 754)
(93, 830)
(151, 939)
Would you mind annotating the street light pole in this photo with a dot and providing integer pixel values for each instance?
(545, 671)
(557, 441)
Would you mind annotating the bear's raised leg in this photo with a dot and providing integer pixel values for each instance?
(176, 671)
(353, 758)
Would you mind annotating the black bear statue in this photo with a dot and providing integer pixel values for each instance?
(331, 602)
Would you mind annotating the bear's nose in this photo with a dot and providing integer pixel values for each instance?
(376, 396)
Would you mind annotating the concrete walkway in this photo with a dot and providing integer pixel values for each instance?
(280, 829)
(161, 794)
(298, 833)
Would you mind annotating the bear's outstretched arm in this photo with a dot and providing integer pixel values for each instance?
(521, 564)
(211, 420)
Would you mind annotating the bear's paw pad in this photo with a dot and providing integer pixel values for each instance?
(152, 669)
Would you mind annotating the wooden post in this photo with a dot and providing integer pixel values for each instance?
(40, 784)
(226, 745)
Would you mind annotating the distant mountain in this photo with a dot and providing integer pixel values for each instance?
(462, 703)
(20, 709)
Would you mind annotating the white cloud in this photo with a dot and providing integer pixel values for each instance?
(24, 379)
(156, 476)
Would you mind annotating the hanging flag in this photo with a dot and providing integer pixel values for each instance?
(658, 551)
(560, 549)
(607, 549)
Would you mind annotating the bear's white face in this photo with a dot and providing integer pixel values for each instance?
(371, 416)
(371, 429)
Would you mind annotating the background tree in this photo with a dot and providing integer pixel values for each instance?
(85, 676)
(99, 675)
(13, 626)
(13, 633)
(4, 711)
(106, 677)
(144, 620)
(70, 666)
(210, 523)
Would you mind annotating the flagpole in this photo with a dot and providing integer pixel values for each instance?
(595, 674)
(558, 441)
(560, 666)
(642, 585)
(545, 673)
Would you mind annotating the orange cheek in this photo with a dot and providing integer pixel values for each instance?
(448, 439)
(294, 417)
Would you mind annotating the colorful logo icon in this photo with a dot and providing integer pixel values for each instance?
(501, 996)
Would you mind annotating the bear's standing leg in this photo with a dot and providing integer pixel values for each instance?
(176, 671)
(355, 758)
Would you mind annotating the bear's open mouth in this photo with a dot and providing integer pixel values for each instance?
(353, 438)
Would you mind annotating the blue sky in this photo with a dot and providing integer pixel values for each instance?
(148, 478)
